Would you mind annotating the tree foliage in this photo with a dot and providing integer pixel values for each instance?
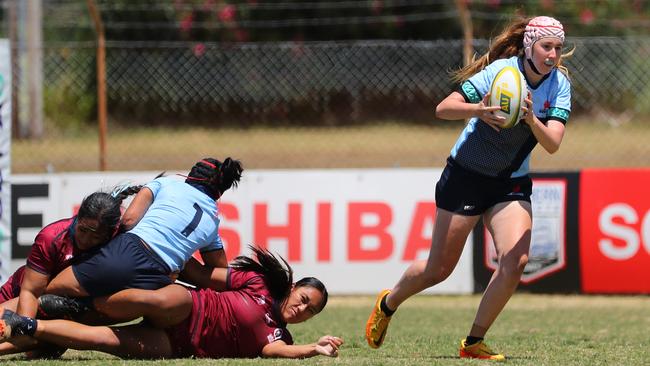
(311, 20)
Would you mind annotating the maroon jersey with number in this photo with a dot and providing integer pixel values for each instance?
(53, 250)
(237, 322)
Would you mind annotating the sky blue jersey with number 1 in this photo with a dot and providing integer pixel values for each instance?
(180, 221)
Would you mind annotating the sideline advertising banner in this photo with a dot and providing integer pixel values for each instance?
(553, 264)
(615, 231)
(5, 157)
(357, 230)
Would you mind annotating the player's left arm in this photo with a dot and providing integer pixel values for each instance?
(326, 346)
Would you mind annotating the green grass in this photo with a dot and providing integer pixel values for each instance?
(586, 144)
(532, 330)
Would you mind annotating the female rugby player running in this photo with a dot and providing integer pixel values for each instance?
(487, 174)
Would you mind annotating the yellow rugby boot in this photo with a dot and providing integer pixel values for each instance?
(479, 350)
(377, 324)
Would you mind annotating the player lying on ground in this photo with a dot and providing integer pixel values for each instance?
(248, 319)
(57, 245)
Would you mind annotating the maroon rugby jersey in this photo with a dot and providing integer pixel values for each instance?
(52, 251)
(237, 322)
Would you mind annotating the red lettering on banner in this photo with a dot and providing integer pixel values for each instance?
(263, 231)
(357, 231)
(231, 239)
(324, 227)
(615, 231)
(424, 212)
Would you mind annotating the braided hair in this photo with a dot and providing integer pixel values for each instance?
(106, 207)
(217, 177)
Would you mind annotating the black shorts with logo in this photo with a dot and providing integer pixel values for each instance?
(468, 193)
(124, 262)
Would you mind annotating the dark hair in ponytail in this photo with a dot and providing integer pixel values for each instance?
(216, 176)
(105, 207)
(277, 275)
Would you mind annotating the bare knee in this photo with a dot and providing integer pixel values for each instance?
(513, 264)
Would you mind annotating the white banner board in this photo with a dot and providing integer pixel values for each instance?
(5, 156)
(356, 230)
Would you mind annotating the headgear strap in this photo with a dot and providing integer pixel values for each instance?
(538, 28)
(209, 164)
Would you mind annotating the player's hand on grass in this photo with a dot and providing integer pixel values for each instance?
(486, 113)
(329, 346)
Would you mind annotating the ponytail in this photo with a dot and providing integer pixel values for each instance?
(278, 276)
(230, 172)
(507, 44)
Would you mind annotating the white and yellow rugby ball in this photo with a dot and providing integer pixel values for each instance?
(509, 91)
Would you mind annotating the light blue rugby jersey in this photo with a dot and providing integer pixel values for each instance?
(506, 153)
(180, 221)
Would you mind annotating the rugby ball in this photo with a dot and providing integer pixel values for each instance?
(508, 91)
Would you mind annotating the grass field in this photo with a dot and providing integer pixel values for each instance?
(586, 144)
(533, 330)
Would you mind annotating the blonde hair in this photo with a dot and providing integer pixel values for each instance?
(510, 42)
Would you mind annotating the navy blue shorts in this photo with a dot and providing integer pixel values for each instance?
(124, 262)
(467, 193)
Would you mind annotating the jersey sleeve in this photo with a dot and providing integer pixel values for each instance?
(41, 258)
(155, 186)
(237, 279)
(475, 88)
(560, 107)
(280, 334)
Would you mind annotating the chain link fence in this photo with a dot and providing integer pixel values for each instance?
(311, 105)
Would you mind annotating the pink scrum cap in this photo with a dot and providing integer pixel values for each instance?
(541, 27)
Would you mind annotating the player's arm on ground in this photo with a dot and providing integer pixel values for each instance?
(326, 346)
(33, 285)
(138, 207)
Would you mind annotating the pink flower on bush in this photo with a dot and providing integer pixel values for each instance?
(227, 13)
(199, 49)
(186, 22)
(587, 16)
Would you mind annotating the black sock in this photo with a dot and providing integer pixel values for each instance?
(384, 307)
(27, 326)
(472, 340)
